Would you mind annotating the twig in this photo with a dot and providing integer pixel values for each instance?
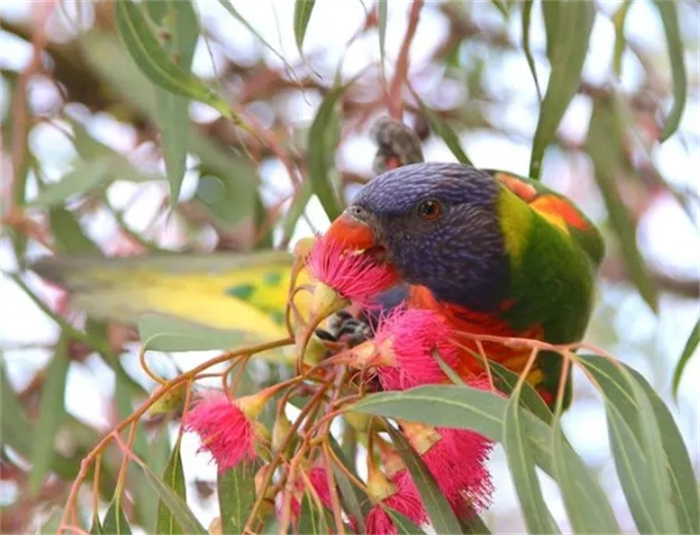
(401, 74)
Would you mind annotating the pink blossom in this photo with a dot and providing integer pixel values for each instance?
(405, 500)
(354, 276)
(409, 338)
(457, 460)
(224, 430)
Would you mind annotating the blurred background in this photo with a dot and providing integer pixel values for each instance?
(83, 171)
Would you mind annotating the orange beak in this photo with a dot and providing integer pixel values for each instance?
(355, 234)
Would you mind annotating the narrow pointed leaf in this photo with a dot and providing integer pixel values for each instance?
(143, 46)
(68, 233)
(691, 346)
(579, 495)
(527, 10)
(236, 496)
(52, 412)
(448, 135)
(96, 528)
(619, 18)
(522, 469)
(628, 445)
(568, 26)
(350, 496)
(174, 503)
(403, 525)
(173, 477)
(442, 518)
(506, 381)
(302, 16)
(669, 16)
(179, 20)
(605, 146)
(83, 178)
(323, 139)
(115, 523)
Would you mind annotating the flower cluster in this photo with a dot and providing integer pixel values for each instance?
(405, 351)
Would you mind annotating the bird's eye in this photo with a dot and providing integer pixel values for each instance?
(430, 210)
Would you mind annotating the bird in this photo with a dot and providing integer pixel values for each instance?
(494, 253)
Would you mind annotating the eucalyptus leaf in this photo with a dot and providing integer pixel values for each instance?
(522, 469)
(140, 40)
(174, 477)
(568, 26)
(236, 496)
(323, 138)
(302, 16)
(52, 413)
(669, 16)
(178, 19)
(691, 345)
(115, 522)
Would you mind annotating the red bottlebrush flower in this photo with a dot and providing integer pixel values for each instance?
(227, 430)
(406, 341)
(456, 458)
(404, 498)
(356, 277)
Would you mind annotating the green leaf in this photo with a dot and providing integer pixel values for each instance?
(527, 10)
(350, 496)
(165, 333)
(439, 511)
(17, 432)
(382, 17)
(236, 496)
(311, 520)
(174, 477)
(403, 525)
(620, 387)
(656, 463)
(502, 7)
(179, 20)
(522, 468)
(475, 526)
(323, 139)
(691, 345)
(448, 135)
(143, 46)
(115, 523)
(296, 209)
(302, 16)
(619, 18)
(669, 16)
(174, 503)
(68, 233)
(568, 26)
(506, 381)
(51, 414)
(578, 494)
(83, 178)
(96, 528)
(606, 146)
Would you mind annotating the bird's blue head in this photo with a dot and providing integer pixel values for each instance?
(438, 225)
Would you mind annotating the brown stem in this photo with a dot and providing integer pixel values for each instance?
(395, 97)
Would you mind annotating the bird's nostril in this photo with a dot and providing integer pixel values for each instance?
(357, 212)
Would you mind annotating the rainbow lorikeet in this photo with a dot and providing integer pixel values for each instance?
(494, 253)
